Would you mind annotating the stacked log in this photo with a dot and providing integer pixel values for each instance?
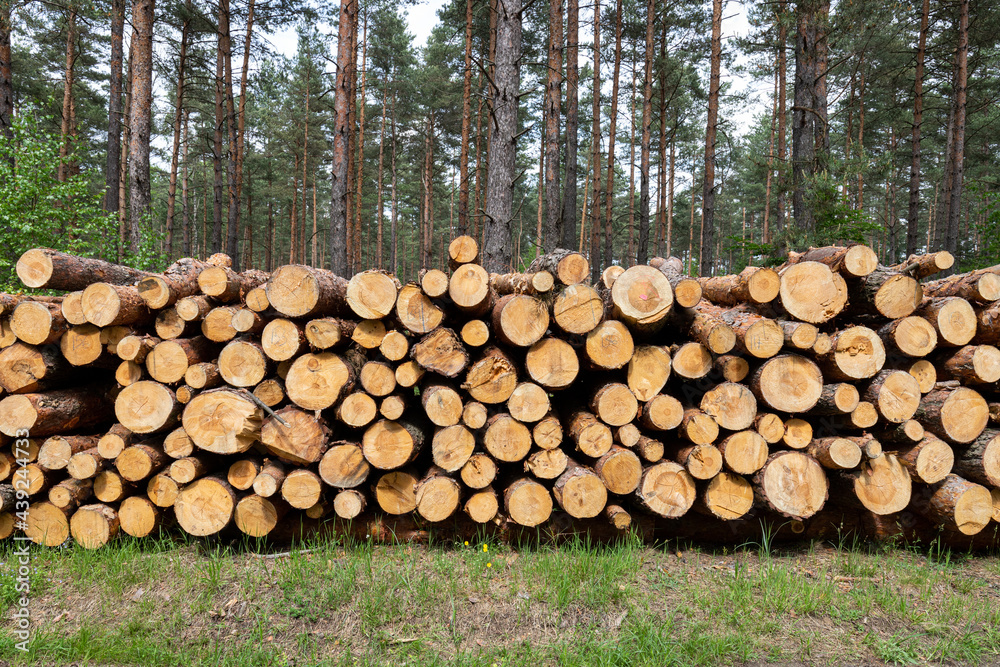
(216, 402)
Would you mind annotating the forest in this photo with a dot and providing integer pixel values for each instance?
(142, 132)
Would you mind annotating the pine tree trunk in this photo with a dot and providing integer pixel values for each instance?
(572, 119)
(782, 90)
(185, 211)
(610, 189)
(7, 81)
(378, 190)
(66, 127)
(233, 220)
(595, 149)
(706, 265)
(342, 130)
(220, 123)
(359, 245)
(463, 160)
(913, 213)
(958, 147)
(804, 112)
(553, 233)
(175, 152)
(642, 252)
(139, 118)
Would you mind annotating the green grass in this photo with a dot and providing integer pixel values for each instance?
(483, 603)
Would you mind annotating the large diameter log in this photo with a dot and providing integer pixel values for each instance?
(744, 452)
(109, 305)
(316, 381)
(881, 485)
(222, 421)
(691, 360)
(577, 309)
(956, 415)
(856, 261)
(930, 460)
(462, 250)
(752, 285)
(529, 403)
(205, 507)
(451, 447)
(441, 352)
(51, 269)
(552, 363)
(371, 295)
(648, 371)
(42, 415)
(953, 318)
(28, 369)
(396, 492)
(982, 286)
(911, 336)
(792, 484)
(301, 439)
(343, 466)
(520, 320)
(93, 526)
(895, 395)
(492, 379)
(728, 496)
(957, 504)
(302, 488)
(666, 489)
(416, 311)
(811, 292)
(857, 353)
(687, 290)
(506, 439)
(980, 461)
(619, 470)
(38, 323)
(469, 289)
(218, 325)
(886, 292)
(566, 266)
(732, 405)
(642, 298)
(302, 291)
(388, 445)
(437, 495)
(591, 437)
(972, 364)
(788, 383)
(147, 407)
(580, 492)
(527, 502)
(46, 524)
(81, 345)
(609, 345)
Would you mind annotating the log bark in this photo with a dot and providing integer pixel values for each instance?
(929, 461)
(54, 412)
(982, 286)
(956, 415)
(50, 269)
(302, 291)
(106, 305)
(754, 284)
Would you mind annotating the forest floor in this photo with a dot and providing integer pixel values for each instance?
(170, 602)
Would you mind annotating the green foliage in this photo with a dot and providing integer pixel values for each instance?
(836, 220)
(37, 210)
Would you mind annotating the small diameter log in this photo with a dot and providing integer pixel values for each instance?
(482, 506)
(577, 309)
(469, 289)
(109, 487)
(475, 333)
(396, 492)
(395, 346)
(649, 450)
(911, 336)
(205, 507)
(357, 410)
(452, 446)
(437, 495)
(770, 426)
(929, 461)
(38, 323)
(823, 345)
(301, 439)
(989, 325)
(316, 381)
(619, 470)
(886, 292)
(388, 445)
(140, 461)
(492, 379)
(138, 516)
(441, 352)
(972, 364)
(732, 405)
(727, 496)
(924, 372)
(56, 451)
(957, 504)
(798, 433)
(529, 403)
(93, 526)
(226, 286)
(661, 413)
(691, 360)
(590, 436)
(54, 412)
(835, 453)
(28, 369)
(609, 345)
(857, 353)
(256, 516)
(528, 503)
(81, 345)
(474, 415)
(580, 492)
(282, 339)
(702, 461)
(162, 490)
(67, 494)
(203, 375)
(369, 333)
(799, 335)
(507, 439)
(744, 452)
(51, 269)
(687, 290)
(72, 308)
(982, 286)
(242, 363)
(642, 298)
(731, 367)
(327, 332)
(170, 359)
(957, 415)
(441, 403)
(552, 363)
(520, 320)
(697, 427)
(222, 421)
(302, 488)
(107, 305)
(33, 479)
(856, 261)
(666, 489)
(921, 266)
(242, 473)
(349, 504)
(792, 484)
(522, 283)
(648, 371)
(392, 407)
(135, 348)
(169, 325)
(462, 250)
(980, 461)
(838, 398)
(479, 471)
(752, 285)
(881, 485)
(811, 292)
(953, 319)
(434, 283)
(546, 463)
(270, 478)
(177, 444)
(788, 383)
(906, 434)
(378, 378)
(614, 404)
(128, 373)
(548, 432)
(46, 524)
(862, 417)
(193, 308)
(178, 281)
(416, 311)
(566, 266)
(895, 395)
(302, 291)
(408, 374)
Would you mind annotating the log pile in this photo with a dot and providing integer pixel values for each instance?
(829, 391)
